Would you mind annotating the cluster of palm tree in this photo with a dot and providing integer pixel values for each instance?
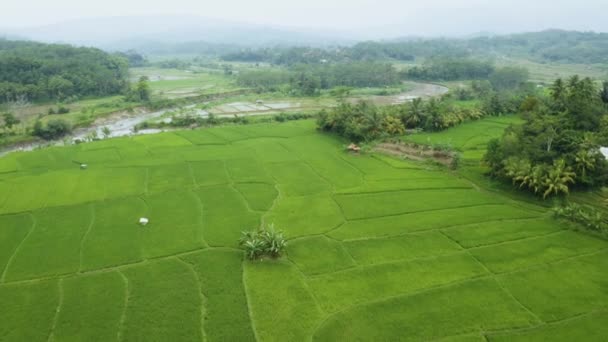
(263, 242)
(542, 178)
(558, 147)
(434, 115)
(365, 122)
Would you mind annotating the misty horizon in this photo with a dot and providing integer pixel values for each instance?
(360, 21)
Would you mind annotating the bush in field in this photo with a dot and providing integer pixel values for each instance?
(53, 129)
(263, 242)
(588, 216)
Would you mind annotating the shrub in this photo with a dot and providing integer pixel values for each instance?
(52, 130)
(263, 242)
(587, 216)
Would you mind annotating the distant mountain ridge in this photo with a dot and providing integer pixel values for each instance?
(119, 32)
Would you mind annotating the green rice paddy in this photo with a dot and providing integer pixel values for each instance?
(379, 249)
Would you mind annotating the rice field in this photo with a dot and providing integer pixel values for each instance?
(379, 249)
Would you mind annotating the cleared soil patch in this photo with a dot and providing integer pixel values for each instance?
(415, 152)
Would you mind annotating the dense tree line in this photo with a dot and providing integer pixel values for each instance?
(558, 147)
(36, 71)
(549, 46)
(309, 79)
(450, 69)
(365, 122)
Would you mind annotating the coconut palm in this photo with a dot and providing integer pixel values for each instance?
(519, 170)
(414, 115)
(584, 161)
(557, 179)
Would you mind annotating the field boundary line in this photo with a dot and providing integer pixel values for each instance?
(85, 235)
(525, 238)
(408, 190)
(355, 262)
(453, 283)
(18, 248)
(305, 284)
(246, 290)
(203, 298)
(373, 192)
(123, 316)
(386, 263)
(401, 295)
(191, 171)
(498, 282)
(508, 331)
(419, 232)
(423, 211)
(147, 181)
(57, 310)
(202, 216)
(315, 171)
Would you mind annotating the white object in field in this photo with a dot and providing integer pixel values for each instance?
(143, 221)
(604, 151)
(84, 166)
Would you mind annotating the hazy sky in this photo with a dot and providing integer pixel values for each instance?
(373, 17)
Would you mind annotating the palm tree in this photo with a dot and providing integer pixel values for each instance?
(557, 179)
(519, 170)
(584, 161)
(414, 115)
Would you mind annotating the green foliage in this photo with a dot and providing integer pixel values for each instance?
(53, 129)
(508, 77)
(558, 146)
(9, 120)
(366, 122)
(589, 217)
(310, 79)
(545, 46)
(35, 71)
(263, 242)
(450, 69)
(141, 92)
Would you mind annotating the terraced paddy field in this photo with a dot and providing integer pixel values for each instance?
(379, 249)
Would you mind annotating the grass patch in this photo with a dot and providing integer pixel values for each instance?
(305, 215)
(259, 196)
(164, 303)
(282, 308)
(91, 308)
(339, 290)
(361, 206)
(421, 221)
(34, 259)
(115, 237)
(226, 310)
(529, 252)
(225, 215)
(28, 311)
(407, 247)
(429, 315)
(562, 290)
(318, 254)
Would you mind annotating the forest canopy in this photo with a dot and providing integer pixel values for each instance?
(559, 145)
(546, 46)
(35, 71)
